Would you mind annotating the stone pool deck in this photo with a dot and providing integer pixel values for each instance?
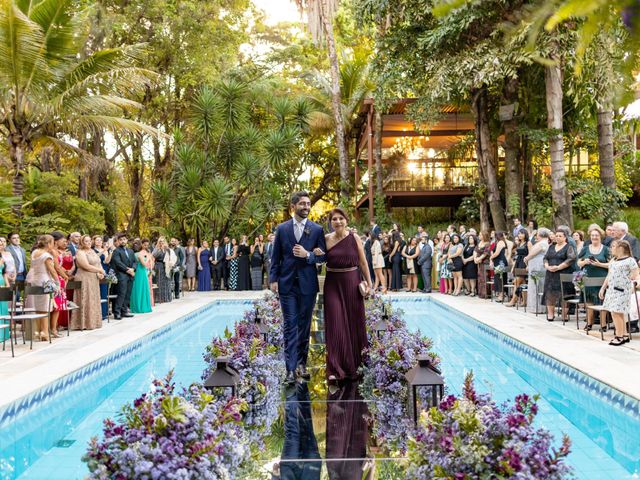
(33, 369)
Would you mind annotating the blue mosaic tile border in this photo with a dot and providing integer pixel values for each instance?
(612, 396)
(32, 401)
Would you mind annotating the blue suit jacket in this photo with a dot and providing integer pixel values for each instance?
(285, 266)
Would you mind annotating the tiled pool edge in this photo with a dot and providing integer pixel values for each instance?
(617, 398)
(11, 410)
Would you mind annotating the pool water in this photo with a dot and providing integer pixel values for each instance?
(49, 441)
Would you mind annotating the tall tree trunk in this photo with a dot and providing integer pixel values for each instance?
(485, 224)
(17, 151)
(486, 158)
(562, 212)
(513, 178)
(336, 102)
(377, 152)
(605, 146)
(136, 174)
(46, 159)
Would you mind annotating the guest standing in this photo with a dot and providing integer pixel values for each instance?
(141, 292)
(443, 261)
(123, 262)
(244, 273)
(618, 288)
(594, 260)
(178, 269)
(191, 267)
(499, 258)
(396, 261)
(104, 255)
(233, 264)
(481, 259)
(268, 249)
(559, 259)
(89, 272)
(226, 266)
(42, 272)
(425, 260)
(19, 258)
(204, 270)
(257, 263)
(146, 244)
(578, 237)
(4, 282)
(470, 268)
(455, 257)
(386, 255)
(60, 313)
(378, 262)
(536, 271)
(410, 252)
(9, 263)
(343, 304)
(522, 250)
(217, 264)
(165, 259)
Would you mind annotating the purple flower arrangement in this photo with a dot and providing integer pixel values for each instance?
(578, 279)
(389, 356)
(470, 437)
(167, 435)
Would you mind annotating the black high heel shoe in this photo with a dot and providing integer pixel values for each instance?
(588, 328)
(617, 341)
(551, 319)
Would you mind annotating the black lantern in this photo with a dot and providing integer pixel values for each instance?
(264, 330)
(224, 376)
(425, 375)
(382, 325)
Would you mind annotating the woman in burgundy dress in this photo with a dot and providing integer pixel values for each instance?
(346, 335)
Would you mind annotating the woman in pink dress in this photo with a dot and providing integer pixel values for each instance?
(60, 314)
(149, 264)
(42, 274)
(344, 313)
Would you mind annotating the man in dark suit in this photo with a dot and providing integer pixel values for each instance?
(295, 277)
(217, 260)
(375, 228)
(268, 250)
(367, 252)
(425, 258)
(123, 262)
(228, 252)
(74, 243)
(621, 232)
(19, 259)
(181, 262)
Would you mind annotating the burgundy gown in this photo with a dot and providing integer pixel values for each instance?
(345, 331)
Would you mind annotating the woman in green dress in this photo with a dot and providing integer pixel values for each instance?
(594, 260)
(141, 293)
(4, 306)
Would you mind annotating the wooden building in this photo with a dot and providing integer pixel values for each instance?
(434, 169)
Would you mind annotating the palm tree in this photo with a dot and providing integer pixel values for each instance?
(320, 14)
(50, 95)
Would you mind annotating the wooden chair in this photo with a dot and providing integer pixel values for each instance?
(7, 295)
(588, 282)
(34, 290)
(568, 298)
(73, 285)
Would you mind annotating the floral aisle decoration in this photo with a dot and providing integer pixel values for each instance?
(387, 360)
(196, 434)
(470, 437)
(170, 435)
(578, 280)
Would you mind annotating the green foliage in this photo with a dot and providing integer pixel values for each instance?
(592, 200)
(469, 210)
(540, 206)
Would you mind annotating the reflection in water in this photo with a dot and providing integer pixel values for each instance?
(299, 442)
(347, 433)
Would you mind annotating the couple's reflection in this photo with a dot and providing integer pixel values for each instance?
(346, 435)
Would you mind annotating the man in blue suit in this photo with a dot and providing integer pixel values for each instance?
(294, 277)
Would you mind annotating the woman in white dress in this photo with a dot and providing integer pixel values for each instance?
(378, 263)
(535, 268)
(618, 288)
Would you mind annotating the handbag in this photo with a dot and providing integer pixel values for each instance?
(364, 289)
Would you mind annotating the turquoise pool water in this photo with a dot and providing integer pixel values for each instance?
(47, 438)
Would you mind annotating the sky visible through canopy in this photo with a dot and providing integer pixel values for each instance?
(279, 10)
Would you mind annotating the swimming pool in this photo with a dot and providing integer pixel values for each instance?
(46, 435)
